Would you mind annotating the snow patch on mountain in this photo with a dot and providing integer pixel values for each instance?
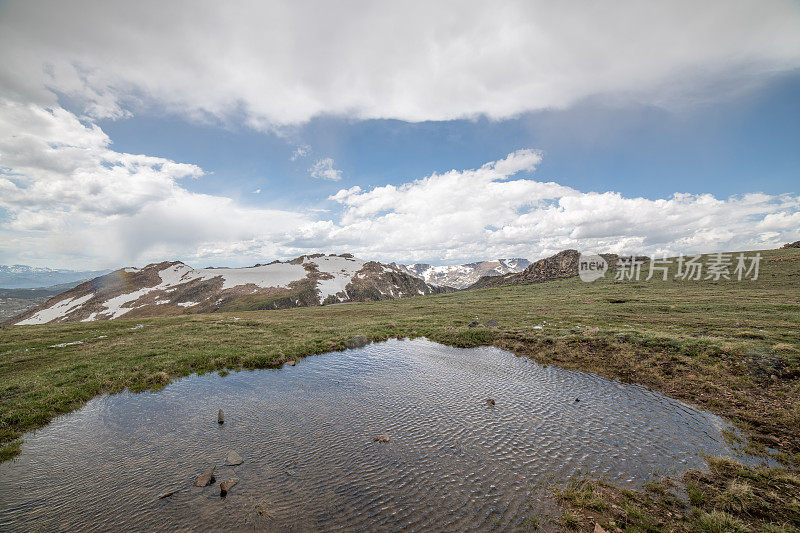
(462, 276)
(174, 287)
(58, 310)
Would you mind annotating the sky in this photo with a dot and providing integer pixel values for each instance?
(236, 133)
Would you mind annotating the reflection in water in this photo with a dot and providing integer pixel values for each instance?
(306, 435)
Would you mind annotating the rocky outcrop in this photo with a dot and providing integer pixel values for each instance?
(795, 244)
(562, 265)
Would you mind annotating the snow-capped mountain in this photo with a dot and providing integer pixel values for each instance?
(175, 288)
(27, 277)
(462, 276)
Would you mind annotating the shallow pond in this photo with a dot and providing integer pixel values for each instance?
(306, 436)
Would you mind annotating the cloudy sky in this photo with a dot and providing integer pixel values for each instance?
(228, 133)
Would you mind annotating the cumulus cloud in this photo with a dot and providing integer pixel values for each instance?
(324, 170)
(483, 213)
(280, 63)
(68, 199)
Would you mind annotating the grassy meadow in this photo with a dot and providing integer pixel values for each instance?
(732, 347)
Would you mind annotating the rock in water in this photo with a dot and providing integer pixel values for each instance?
(490, 401)
(206, 478)
(291, 362)
(167, 494)
(220, 417)
(233, 459)
(225, 486)
(359, 341)
(382, 438)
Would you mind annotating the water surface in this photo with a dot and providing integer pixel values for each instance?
(306, 435)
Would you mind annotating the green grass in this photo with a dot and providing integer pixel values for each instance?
(731, 347)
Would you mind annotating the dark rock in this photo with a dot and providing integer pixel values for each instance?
(225, 486)
(359, 341)
(473, 324)
(220, 417)
(233, 459)
(489, 401)
(577, 399)
(206, 478)
(382, 438)
(492, 324)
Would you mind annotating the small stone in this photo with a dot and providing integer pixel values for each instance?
(490, 401)
(225, 486)
(382, 438)
(473, 324)
(492, 324)
(167, 494)
(291, 362)
(233, 459)
(220, 417)
(598, 528)
(206, 478)
(577, 399)
(591, 331)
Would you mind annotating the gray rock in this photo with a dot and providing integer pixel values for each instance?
(473, 324)
(359, 341)
(233, 459)
(225, 486)
(492, 324)
(206, 478)
(220, 417)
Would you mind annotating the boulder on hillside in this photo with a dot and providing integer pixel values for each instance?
(795, 244)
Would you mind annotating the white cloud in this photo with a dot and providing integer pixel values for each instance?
(67, 199)
(281, 63)
(466, 215)
(257, 191)
(300, 151)
(324, 170)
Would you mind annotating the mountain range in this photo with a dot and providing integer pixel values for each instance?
(176, 288)
(28, 277)
(173, 287)
(462, 276)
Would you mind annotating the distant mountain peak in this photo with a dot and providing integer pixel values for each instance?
(462, 276)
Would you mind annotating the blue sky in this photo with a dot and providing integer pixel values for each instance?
(443, 132)
(730, 147)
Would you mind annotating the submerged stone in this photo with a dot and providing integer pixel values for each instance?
(206, 478)
(233, 459)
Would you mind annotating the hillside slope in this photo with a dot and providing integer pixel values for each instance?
(564, 264)
(170, 288)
